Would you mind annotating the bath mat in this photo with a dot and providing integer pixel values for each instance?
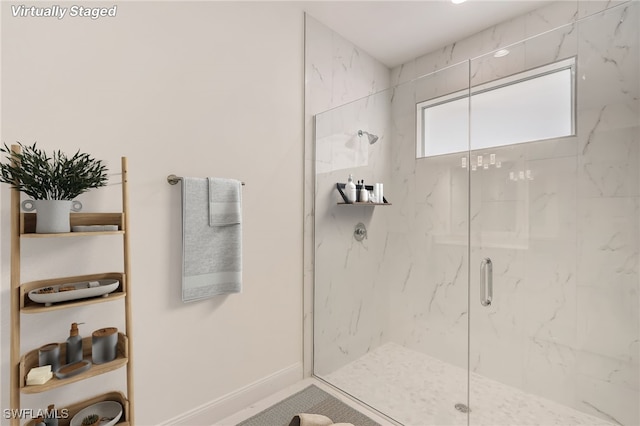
(311, 400)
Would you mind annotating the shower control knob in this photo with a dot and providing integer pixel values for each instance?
(360, 232)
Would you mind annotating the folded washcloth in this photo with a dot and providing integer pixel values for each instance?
(308, 419)
(225, 201)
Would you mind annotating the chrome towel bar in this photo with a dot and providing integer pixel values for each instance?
(173, 179)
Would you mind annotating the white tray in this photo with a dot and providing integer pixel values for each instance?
(82, 290)
(111, 410)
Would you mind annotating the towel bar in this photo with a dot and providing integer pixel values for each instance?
(173, 179)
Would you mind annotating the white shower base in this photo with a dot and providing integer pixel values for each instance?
(418, 390)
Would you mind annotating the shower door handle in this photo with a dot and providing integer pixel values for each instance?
(486, 282)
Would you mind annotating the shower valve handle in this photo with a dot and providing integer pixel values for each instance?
(360, 232)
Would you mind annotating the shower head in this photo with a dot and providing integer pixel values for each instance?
(372, 138)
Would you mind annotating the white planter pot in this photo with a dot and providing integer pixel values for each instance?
(52, 216)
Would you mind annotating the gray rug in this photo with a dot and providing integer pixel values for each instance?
(310, 400)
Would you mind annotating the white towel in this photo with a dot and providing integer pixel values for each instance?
(211, 255)
(225, 201)
(309, 419)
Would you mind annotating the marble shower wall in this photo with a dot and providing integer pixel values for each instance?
(607, 284)
(427, 249)
(565, 244)
(351, 297)
(352, 317)
(565, 319)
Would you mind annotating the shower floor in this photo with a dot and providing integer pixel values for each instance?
(418, 390)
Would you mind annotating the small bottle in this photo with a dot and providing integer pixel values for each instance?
(51, 419)
(350, 189)
(378, 191)
(74, 345)
(364, 194)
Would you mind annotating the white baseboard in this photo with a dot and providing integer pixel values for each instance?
(220, 408)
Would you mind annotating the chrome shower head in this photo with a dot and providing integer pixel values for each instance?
(372, 138)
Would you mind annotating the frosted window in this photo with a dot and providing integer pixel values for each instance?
(534, 105)
(446, 127)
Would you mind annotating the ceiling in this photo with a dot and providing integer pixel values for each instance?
(395, 32)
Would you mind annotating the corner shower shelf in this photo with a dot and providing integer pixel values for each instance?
(340, 187)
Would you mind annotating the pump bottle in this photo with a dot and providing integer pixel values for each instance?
(364, 193)
(350, 187)
(52, 416)
(74, 345)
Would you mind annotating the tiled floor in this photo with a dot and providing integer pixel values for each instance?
(418, 390)
(267, 402)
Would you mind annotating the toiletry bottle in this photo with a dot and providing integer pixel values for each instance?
(364, 194)
(51, 419)
(350, 190)
(379, 193)
(74, 345)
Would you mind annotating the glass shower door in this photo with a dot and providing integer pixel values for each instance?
(553, 228)
(390, 309)
(429, 299)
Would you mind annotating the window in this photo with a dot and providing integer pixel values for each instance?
(534, 105)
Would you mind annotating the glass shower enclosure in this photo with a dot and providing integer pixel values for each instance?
(499, 285)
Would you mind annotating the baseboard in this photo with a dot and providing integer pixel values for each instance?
(220, 408)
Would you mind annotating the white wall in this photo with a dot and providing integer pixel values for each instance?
(195, 89)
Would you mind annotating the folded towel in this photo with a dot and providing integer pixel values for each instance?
(308, 419)
(211, 255)
(225, 198)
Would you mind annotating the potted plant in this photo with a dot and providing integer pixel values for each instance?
(51, 181)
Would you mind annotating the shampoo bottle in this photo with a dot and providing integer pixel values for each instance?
(364, 194)
(74, 345)
(350, 190)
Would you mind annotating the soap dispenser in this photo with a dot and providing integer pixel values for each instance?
(350, 189)
(74, 345)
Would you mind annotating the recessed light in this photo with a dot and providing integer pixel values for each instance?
(500, 53)
(457, 1)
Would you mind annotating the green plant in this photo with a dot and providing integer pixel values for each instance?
(58, 177)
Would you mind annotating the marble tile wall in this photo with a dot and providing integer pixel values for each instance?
(565, 319)
(608, 320)
(514, 31)
(350, 293)
(337, 73)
